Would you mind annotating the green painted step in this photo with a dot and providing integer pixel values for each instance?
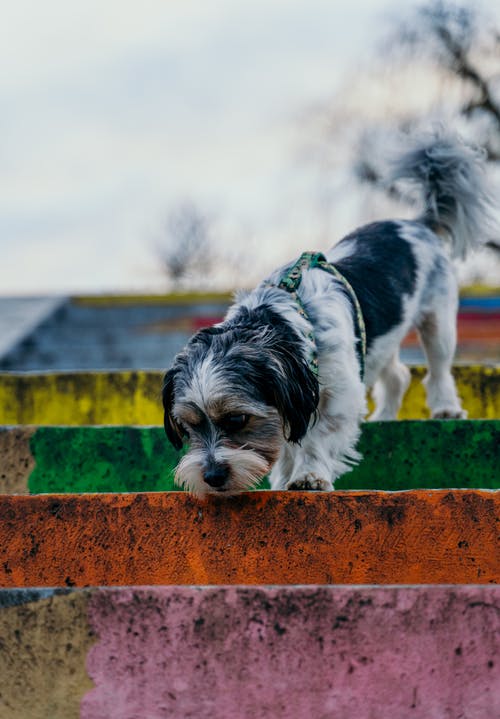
(397, 456)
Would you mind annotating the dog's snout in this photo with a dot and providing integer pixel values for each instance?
(216, 475)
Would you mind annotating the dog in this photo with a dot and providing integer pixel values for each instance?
(280, 385)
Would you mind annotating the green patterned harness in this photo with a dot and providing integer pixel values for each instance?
(291, 281)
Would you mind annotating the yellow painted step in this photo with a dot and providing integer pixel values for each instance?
(134, 397)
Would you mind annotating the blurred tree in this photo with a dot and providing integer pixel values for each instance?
(205, 251)
(461, 44)
(464, 43)
(187, 253)
(439, 62)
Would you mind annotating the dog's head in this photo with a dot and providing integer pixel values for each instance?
(236, 393)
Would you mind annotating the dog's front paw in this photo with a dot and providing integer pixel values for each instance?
(310, 482)
(450, 414)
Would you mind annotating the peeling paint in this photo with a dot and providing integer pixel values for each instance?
(16, 460)
(43, 645)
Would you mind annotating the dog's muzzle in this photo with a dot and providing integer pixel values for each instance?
(216, 475)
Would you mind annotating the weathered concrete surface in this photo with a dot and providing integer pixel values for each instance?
(396, 455)
(295, 652)
(134, 397)
(251, 653)
(16, 459)
(422, 537)
(43, 646)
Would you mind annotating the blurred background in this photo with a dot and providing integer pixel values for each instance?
(184, 146)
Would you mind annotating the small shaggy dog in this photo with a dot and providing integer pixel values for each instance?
(280, 384)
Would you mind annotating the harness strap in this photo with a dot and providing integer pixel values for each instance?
(290, 282)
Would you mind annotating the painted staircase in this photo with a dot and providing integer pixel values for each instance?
(123, 599)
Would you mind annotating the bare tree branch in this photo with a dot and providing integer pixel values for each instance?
(187, 248)
(464, 45)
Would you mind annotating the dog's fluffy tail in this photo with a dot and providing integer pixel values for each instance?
(451, 177)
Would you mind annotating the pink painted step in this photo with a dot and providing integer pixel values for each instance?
(345, 652)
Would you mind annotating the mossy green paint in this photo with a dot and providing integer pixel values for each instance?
(397, 455)
(101, 459)
(427, 455)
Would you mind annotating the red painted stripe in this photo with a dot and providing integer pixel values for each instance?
(199, 323)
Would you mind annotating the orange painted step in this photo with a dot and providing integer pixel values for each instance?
(415, 537)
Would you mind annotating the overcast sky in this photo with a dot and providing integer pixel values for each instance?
(112, 112)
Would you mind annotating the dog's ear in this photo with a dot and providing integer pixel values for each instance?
(173, 430)
(295, 391)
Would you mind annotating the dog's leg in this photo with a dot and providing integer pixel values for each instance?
(438, 334)
(389, 389)
(329, 448)
(283, 467)
(302, 468)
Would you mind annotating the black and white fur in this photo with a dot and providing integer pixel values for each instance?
(243, 393)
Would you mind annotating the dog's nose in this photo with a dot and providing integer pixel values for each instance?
(216, 475)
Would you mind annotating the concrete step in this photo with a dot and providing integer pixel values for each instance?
(134, 397)
(133, 331)
(251, 653)
(396, 455)
(112, 332)
(413, 537)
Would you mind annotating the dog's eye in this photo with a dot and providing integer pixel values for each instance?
(234, 422)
